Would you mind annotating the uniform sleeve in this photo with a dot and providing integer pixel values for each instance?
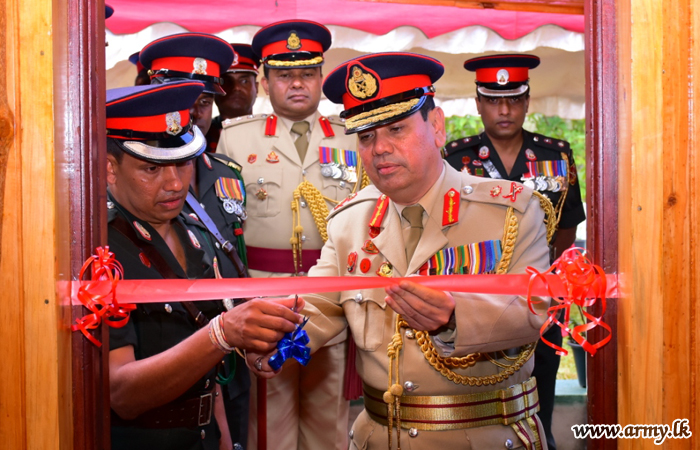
(572, 212)
(487, 323)
(326, 318)
(121, 337)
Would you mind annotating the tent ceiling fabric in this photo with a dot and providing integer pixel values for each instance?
(557, 84)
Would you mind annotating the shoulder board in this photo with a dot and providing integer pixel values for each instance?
(226, 160)
(336, 120)
(368, 193)
(500, 192)
(462, 143)
(548, 142)
(243, 119)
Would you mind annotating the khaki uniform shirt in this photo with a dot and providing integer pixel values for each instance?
(484, 323)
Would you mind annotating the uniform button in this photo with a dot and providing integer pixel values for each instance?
(509, 443)
(110, 205)
(168, 308)
(303, 172)
(217, 245)
(409, 386)
(342, 184)
(261, 180)
(206, 383)
(412, 432)
(468, 189)
(303, 204)
(237, 446)
(303, 238)
(351, 433)
(358, 297)
(204, 434)
(536, 139)
(410, 334)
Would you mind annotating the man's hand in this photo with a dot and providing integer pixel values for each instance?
(258, 364)
(423, 308)
(258, 325)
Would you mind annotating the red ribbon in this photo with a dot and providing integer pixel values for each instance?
(105, 269)
(584, 284)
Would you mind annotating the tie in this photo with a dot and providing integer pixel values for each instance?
(302, 142)
(414, 215)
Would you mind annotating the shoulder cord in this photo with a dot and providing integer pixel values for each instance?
(550, 220)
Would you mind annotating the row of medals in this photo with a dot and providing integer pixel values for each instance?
(339, 172)
(545, 183)
(236, 207)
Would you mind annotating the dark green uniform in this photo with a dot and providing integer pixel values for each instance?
(156, 327)
(468, 154)
(210, 169)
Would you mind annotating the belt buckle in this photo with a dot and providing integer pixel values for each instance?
(202, 399)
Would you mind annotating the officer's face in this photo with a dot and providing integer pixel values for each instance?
(152, 192)
(403, 158)
(201, 112)
(503, 117)
(241, 90)
(294, 93)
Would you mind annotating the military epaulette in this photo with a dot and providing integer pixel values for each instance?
(368, 193)
(549, 143)
(460, 144)
(336, 120)
(242, 119)
(501, 192)
(226, 160)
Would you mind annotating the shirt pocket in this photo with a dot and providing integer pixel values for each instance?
(367, 317)
(269, 181)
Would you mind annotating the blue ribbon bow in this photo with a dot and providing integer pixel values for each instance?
(292, 345)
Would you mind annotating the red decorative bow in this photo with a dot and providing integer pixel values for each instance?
(104, 268)
(584, 284)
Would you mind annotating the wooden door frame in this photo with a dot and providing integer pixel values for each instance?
(80, 141)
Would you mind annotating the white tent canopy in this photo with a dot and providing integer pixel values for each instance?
(557, 85)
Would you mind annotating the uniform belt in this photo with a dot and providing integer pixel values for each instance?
(280, 261)
(454, 412)
(191, 413)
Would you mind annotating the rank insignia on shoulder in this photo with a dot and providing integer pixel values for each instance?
(352, 262)
(385, 270)
(450, 208)
(272, 158)
(515, 189)
(496, 191)
(144, 232)
(207, 162)
(370, 248)
(252, 158)
(144, 259)
(347, 199)
(194, 240)
(365, 265)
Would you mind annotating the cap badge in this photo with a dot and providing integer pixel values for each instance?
(502, 77)
(293, 41)
(361, 84)
(235, 59)
(200, 66)
(174, 123)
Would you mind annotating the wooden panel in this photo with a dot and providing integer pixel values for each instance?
(658, 236)
(602, 146)
(545, 6)
(12, 426)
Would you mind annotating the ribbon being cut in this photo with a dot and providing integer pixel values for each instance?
(571, 280)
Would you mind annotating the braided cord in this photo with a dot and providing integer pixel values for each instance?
(550, 219)
(510, 234)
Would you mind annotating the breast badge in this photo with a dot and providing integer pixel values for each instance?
(272, 158)
(252, 158)
(370, 248)
(352, 262)
(385, 270)
(365, 265)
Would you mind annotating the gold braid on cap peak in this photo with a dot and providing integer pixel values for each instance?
(305, 62)
(380, 114)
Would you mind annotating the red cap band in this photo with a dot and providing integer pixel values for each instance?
(186, 64)
(147, 124)
(244, 63)
(490, 75)
(279, 47)
(389, 87)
